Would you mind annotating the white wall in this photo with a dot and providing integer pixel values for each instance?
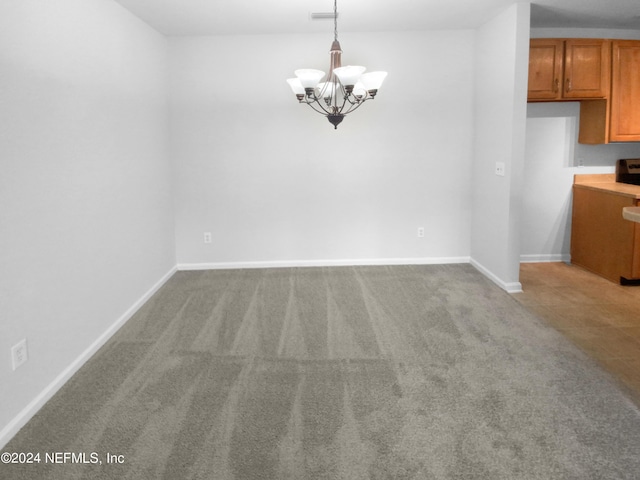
(500, 115)
(553, 157)
(548, 174)
(86, 220)
(276, 184)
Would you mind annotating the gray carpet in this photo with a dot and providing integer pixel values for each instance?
(404, 372)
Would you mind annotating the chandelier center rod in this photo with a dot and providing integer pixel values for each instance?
(336, 50)
(335, 20)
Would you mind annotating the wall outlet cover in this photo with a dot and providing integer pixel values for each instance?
(19, 354)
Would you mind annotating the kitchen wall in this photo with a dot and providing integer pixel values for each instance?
(275, 184)
(553, 157)
(86, 215)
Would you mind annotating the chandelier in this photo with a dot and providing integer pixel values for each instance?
(345, 89)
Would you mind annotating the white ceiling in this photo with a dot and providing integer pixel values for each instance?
(220, 17)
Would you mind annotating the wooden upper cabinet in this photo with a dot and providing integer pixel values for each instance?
(570, 69)
(587, 66)
(546, 60)
(603, 75)
(625, 91)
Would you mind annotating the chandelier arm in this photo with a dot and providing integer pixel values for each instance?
(345, 98)
(355, 101)
(344, 104)
(315, 100)
(358, 102)
(320, 101)
(315, 104)
(354, 106)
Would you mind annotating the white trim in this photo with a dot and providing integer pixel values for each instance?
(551, 257)
(509, 287)
(322, 263)
(20, 420)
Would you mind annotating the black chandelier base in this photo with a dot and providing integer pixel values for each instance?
(335, 119)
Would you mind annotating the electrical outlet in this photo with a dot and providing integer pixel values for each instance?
(19, 354)
(207, 237)
(500, 169)
(420, 232)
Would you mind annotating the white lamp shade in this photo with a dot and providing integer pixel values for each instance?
(296, 86)
(326, 90)
(349, 75)
(373, 80)
(359, 90)
(309, 78)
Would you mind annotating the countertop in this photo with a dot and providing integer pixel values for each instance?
(606, 182)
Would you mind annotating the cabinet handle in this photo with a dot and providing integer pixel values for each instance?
(569, 87)
(556, 86)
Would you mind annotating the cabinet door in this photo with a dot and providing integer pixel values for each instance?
(602, 241)
(625, 91)
(545, 69)
(586, 68)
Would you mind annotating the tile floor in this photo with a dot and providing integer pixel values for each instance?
(601, 317)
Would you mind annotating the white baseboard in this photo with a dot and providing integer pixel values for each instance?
(555, 257)
(322, 263)
(12, 428)
(509, 287)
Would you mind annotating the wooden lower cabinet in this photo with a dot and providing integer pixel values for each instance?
(601, 240)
